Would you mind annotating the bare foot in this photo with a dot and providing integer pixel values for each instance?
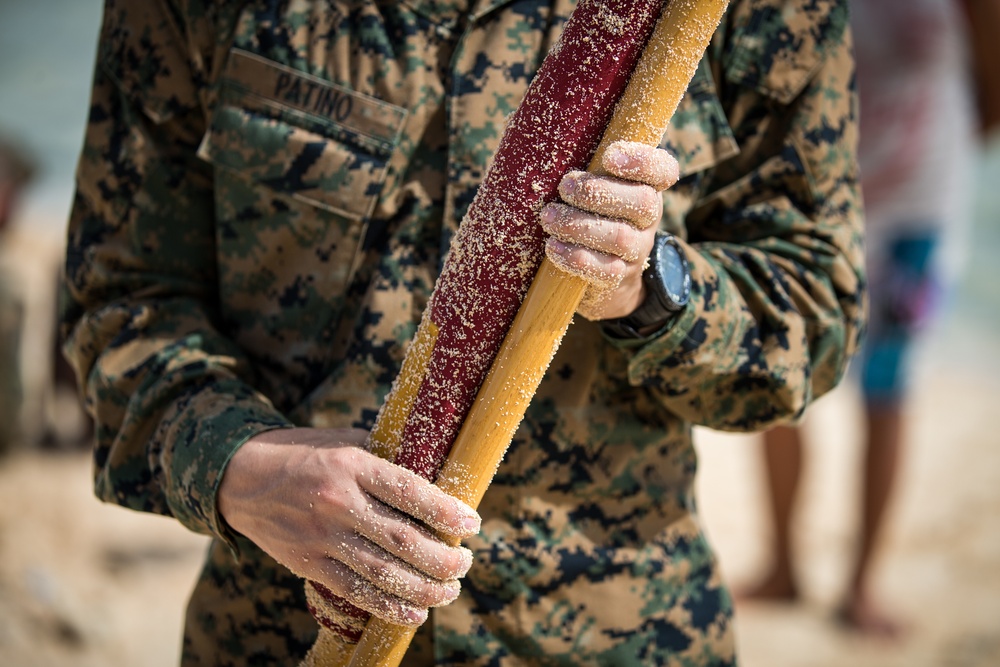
(861, 615)
(778, 586)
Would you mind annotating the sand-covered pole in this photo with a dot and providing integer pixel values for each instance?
(486, 340)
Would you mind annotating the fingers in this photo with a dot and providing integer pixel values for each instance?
(601, 250)
(640, 173)
(320, 505)
(402, 537)
(605, 227)
(579, 228)
(603, 271)
(347, 584)
(390, 575)
(637, 203)
(385, 561)
(415, 496)
(640, 163)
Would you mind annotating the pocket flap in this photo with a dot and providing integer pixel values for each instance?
(301, 136)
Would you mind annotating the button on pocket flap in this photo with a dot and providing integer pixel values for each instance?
(301, 136)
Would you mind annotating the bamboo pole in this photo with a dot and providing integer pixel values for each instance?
(655, 90)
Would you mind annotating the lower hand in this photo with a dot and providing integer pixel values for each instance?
(317, 502)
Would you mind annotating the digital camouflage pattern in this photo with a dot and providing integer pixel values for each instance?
(264, 198)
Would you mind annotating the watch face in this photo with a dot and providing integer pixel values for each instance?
(673, 273)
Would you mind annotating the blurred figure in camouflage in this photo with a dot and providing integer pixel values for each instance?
(918, 127)
(264, 199)
(15, 172)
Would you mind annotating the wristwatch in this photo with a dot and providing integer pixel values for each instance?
(668, 288)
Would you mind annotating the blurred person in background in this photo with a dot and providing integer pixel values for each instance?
(918, 143)
(16, 170)
(58, 421)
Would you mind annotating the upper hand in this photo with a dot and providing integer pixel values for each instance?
(604, 228)
(320, 504)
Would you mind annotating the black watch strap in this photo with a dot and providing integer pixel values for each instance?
(668, 287)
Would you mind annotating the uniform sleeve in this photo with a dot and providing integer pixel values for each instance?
(172, 397)
(776, 255)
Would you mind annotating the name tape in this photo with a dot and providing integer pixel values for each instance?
(310, 94)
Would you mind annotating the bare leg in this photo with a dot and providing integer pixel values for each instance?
(783, 459)
(884, 424)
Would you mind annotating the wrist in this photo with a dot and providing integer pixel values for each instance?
(666, 286)
(232, 487)
(241, 478)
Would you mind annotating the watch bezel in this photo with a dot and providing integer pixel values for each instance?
(659, 281)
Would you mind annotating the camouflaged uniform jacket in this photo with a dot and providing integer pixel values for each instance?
(264, 196)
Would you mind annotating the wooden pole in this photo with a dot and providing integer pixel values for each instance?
(655, 90)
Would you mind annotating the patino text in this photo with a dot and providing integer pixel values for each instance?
(313, 97)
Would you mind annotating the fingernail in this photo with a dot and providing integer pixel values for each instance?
(616, 158)
(569, 185)
(548, 214)
(554, 246)
(472, 523)
(467, 562)
(414, 616)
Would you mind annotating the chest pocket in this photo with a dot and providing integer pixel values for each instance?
(299, 166)
(303, 137)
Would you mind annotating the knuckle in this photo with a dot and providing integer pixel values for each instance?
(351, 457)
(381, 572)
(424, 596)
(458, 563)
(436, 593)
(563, 219)
(403, 486)
(331, 503)
(398, 540)
(336, 576)
(578, 258)
(617, 270)
(624, 238)
(406, 493)
(652, 203)
(591, 188)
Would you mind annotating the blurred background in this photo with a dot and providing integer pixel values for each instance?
(88, 584)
